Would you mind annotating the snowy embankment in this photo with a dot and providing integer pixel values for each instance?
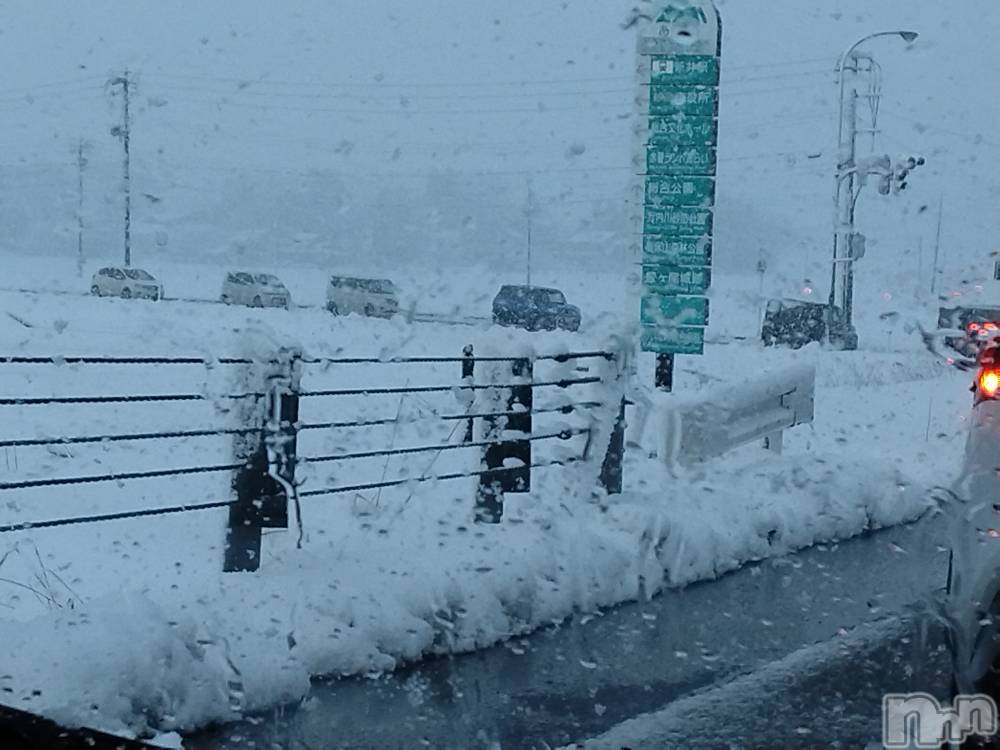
(131, 626)
(407, 584)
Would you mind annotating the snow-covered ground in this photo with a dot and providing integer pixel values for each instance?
(131, 625)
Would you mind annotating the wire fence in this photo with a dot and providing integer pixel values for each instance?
(255, 430)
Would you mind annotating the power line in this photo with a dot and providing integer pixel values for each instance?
(29, 525)
(432, 478)
(977, 139)
(561, 435)
(263, 80)
(118, 476)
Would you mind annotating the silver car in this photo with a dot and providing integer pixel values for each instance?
(126, 283)
(372, 297)
(255, 290)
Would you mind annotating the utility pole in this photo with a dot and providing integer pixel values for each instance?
(122, 131)
(848, 246)
(937, 246)
(842, 332)
(81, 162)
(530, 210)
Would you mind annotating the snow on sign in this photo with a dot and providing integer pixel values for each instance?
(682, 100)
(682, 130)
(678, 79)
(679, 340)
(672, 311)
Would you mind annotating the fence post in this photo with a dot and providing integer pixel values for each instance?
(611, 468)
(497, 479)
(520, 402)
(468, 371)
(260, 497)
(774, 442)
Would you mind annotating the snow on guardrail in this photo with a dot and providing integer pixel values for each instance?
(731, 416)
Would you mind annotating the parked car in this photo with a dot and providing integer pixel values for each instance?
(534, 308)
(255, 290)
(793, 322)
(372, 297)
(126, 283)
(979, 325)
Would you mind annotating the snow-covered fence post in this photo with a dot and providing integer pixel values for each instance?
(468, 379)
(502, 453)
(611, 469)
(520, 402)
(263, 485)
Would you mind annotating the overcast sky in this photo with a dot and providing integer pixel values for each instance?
(500, 86)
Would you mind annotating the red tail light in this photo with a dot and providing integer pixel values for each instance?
(983, 330)
(989, 382)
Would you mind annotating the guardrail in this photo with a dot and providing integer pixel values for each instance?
(697, 430)
(266, 410)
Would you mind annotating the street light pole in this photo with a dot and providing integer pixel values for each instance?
(842, 332)
(123, 131)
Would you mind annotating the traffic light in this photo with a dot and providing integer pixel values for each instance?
(901, 170)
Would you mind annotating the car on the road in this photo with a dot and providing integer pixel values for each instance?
(374, 298)
(127, 283)
(793, 323)
(972, 608)
(534, 308)
(255, 290)
(973, 327)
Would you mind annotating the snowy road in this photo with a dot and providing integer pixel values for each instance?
(576, 681)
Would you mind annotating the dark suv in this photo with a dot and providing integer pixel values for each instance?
(793, 323)
(534, 308)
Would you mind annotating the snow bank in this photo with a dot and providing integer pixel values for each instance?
(411, 582)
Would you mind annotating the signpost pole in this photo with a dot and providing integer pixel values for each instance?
(678, 62)
(665, 372)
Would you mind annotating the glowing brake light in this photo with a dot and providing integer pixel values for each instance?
(989, 383)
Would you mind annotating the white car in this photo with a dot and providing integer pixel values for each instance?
(255, 290)
(372, 297)
(126, 283)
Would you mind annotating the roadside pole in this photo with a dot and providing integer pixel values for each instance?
(677, 68)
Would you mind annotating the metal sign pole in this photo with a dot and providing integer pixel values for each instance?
(678, 62)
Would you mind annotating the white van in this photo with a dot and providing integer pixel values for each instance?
(254, 290)
(126, 283)
(372, 297)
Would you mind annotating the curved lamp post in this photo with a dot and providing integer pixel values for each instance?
(841, 328)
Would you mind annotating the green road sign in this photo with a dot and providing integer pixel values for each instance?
(673, 340)
(666, 312)
(684, 69)
(686, 100)
(685, 221)
(678, 130)
(666, 158)
(676, 251)
(676, 279)
(679, 191)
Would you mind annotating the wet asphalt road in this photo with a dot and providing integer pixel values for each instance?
(566, 684)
